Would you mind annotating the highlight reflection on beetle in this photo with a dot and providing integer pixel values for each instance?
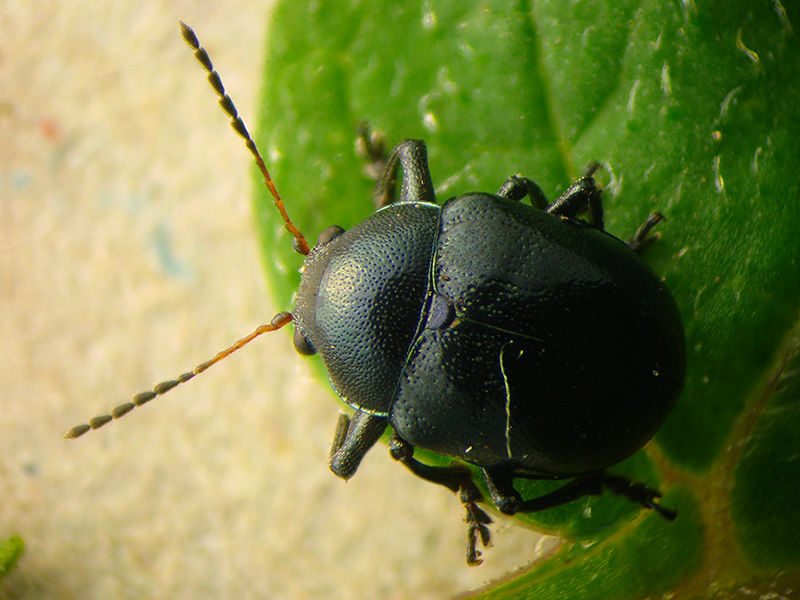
(515, 338)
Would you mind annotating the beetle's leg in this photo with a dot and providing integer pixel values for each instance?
(509, 502)
(501, 489)
(638, 493)
(451, 476)
(516, 188)
(417, 185)
(371, 147)
(579, 195)
(352, 440)
(641, 239)
(477, 521)
(457, 478)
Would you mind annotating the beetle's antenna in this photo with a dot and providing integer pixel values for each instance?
(277, 322)
(300, 243)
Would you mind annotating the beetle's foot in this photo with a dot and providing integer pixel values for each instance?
(477, 521)
(642, 238)
(371, 147)
(639, 493)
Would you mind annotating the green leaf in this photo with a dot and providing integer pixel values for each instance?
(692, 109)
(10, 551)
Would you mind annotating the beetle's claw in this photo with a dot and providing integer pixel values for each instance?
(476, 530)
(473, 532)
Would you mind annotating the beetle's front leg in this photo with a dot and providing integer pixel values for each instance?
(457, 478)
(352, 440)
(579, 195)
(417, 185)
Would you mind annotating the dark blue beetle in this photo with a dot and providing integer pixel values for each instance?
(516, 338)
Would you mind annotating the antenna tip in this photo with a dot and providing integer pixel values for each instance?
(189, 35)
(76, 432)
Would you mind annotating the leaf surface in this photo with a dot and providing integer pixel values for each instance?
(692, 110)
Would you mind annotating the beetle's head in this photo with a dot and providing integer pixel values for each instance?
(305, 331)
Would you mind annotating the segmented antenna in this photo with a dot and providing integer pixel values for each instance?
(277, 322)
(300, 243)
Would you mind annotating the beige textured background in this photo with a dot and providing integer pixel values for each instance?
(128, 257)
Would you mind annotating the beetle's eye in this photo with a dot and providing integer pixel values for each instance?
(328, 234)
(302, 345)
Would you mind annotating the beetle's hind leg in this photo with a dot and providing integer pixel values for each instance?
(457, 478)
(508, 500)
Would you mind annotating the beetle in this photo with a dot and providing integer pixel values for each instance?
(516, 338)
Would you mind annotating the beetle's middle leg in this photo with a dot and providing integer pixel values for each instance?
(516, 188)
(457, 478)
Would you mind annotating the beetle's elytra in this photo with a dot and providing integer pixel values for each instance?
(513, 337)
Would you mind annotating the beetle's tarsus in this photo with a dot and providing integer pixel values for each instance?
(642, 238)
(458, 478)
(668, 513)
(638, 493)
(476, 531)
(371, 147)
(477, 521)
